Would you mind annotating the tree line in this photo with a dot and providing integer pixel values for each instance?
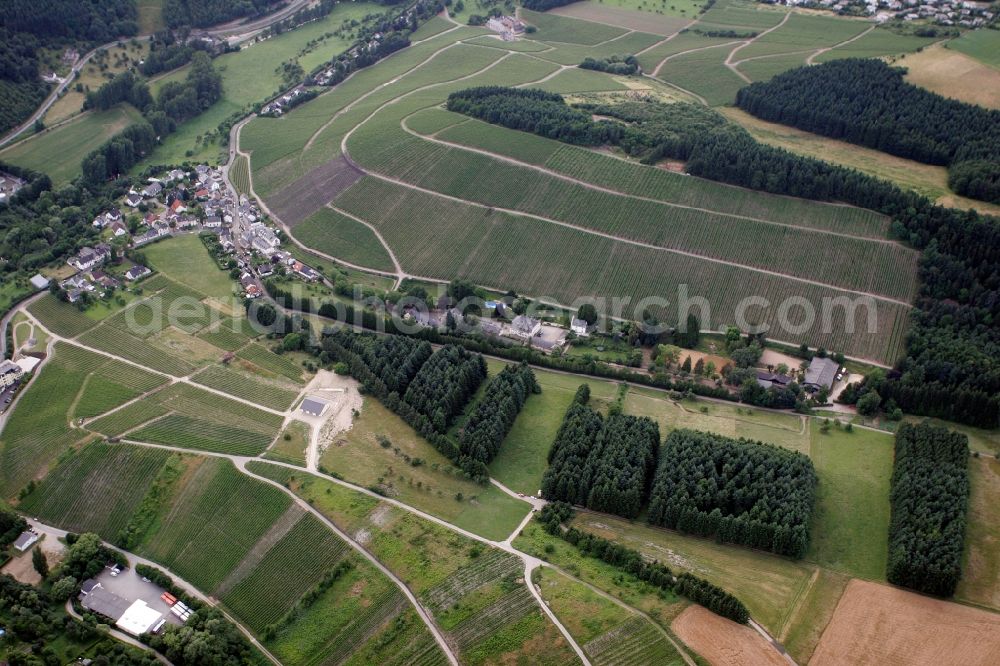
(56, 21)
(622, 65)
(867, 102)
(929, 499)
(176, 102)
(602, 463)
(700, 591)
(493, 416)
(544, 5)
(444, 384)
(204, 13)
(952, 365)
(736, 491)
(437, 390)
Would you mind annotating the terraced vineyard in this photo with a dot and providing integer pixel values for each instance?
(96, 489)
(59, 317)
(239, 174)
(217, 516)
(116, 341)
(190, 433)
(264, 358)
(635, 642)
(528, 230)
(38, 430)
(196, 418)
(290, 568)
(275, 395)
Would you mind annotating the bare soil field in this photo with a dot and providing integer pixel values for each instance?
(878, 624)
(954, 75)
(723, 642)
(623, 18)
(314, 190)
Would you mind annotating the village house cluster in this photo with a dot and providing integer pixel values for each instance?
(942, 12)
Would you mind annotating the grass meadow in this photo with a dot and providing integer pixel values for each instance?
(58, 151)
(432, 485)
(248, 76)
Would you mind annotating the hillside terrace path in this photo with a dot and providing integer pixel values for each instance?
(531, 562)
(569, 225)
(811, 59)
(729, 59)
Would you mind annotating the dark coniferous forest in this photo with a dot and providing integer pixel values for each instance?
(737, 491)
(867, 102)
(929, 499)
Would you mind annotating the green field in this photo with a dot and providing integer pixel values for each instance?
(804, 33)
(184, 259)
(267, 360)
(59, 150)
(150, 16)
(39, 431)
(196, 419)
(433, 485)
(273, 394)
(252, 75)
(705, 74)
(552, 28)
(282, 574)
(96, 489)
(216, 517)
(337, 235)
(683, 42)
(488, 616)
(59, 317)
(523, 457)
(290, 447)
(980, 582)
(239, 174)
(879, 42)
(607, 632)
(983, 45)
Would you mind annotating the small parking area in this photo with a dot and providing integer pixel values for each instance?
(549, 337)
(130, 586)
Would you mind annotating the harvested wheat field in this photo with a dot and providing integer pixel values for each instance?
(723, 642)
(954, 75)
(878, 624)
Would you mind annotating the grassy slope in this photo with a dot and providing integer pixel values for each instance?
(186, 260)
(981, 567)
(983, 45)
(59, 151)
(249, 76)
(433, 486)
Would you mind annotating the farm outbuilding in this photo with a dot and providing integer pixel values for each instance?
(26, 540)
(821, 373)
(313, 406)
(139, 618)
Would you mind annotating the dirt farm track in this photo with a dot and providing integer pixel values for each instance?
(878, 624)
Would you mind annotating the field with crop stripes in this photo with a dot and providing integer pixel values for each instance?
(804, 32)
(197, 419)
(860, 265)
(202, 435)
(59, 317)
(403, 641)
(264, 358)
(216, 517)
(705, 74)
(96, 489)
(273, 394)
(529, 256)
(239, 174)
(683, 42)
(289, 569)
(634, 643)
(343, 619)
(38, 430)
(339, 236)
(116, 341)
